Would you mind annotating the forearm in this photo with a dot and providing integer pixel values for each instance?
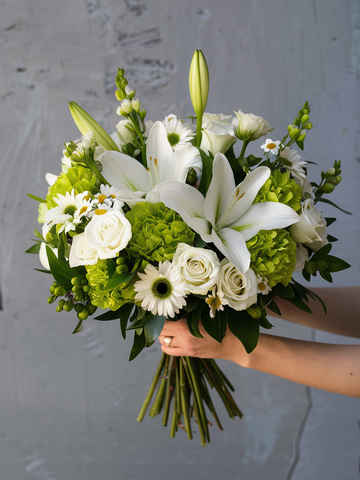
(335, 368)
(343, 311)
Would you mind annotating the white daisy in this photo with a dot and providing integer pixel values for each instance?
(263, 286)
(294, 164)
(69, 211)
(271, 146)
(216, 301)
(161, 291)
(178, 134)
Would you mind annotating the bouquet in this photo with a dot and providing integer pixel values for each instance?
(165, 221)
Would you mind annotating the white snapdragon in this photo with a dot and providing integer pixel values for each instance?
(239, 289)
(198, 267)
(311, 229)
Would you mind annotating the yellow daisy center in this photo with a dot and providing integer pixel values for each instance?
(261, 286)
(102, 198)
(270, 146)
(100, 211)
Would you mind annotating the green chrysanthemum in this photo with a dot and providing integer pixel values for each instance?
(98, 277)
(273, 255)
(78, 178)
(280, 187)
(156, 232)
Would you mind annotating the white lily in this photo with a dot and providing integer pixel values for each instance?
(134, 180)
(227, 216)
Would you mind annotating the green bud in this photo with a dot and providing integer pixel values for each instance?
(308, 126)
(51, 299)
(304, 118)
(327, 187)
(310, 267)
(75, 281)
(322, 265)
(90, 308)
(199, 82)
(255, 312)
(83, 315)
(305, 111)
(79, 297)
(60, 306)
(297, 122)
(191, 178)
(86, 288)
(289, 127)
(59, 291)
(120, 260)
(302, 136)
(330, 172)
(68, 306)
(120, 95)
(294, 133)
(78, 307)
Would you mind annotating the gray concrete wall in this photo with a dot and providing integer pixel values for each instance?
(68, 404)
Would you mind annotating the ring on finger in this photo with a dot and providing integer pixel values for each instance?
(167, 341)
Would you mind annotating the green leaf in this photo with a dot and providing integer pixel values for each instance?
(322, 252)
(264, 322)
(326, 276)
(325, 200)
(34, 197)
(308, 292)
(331, 238)
(330, 220)
(245, 328)
(193, 319)
(138, 345)
(336, 264)
(61, 273)
(206, 174)
(191, 303)
(198, 241)
(214, 326)
(300, 145)
(124, 317)
(273, 307)
(42, 271)
(118, 279)
(34, 248)
(38, 235)
(86, 123)
(152, 329)
(284, 292)
(78, 327)
(109, 315)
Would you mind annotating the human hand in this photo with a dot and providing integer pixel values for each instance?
(183, 343)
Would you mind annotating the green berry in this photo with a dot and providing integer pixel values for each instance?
(83, 315)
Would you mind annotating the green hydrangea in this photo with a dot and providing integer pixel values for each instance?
(98, 277)
(78, 178)
(273, 255)
(280, 187)
(156, 232)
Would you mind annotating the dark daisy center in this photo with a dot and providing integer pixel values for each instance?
(161, 288)
(173, 138)
(70, 210)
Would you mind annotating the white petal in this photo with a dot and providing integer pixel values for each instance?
(158, 153)
(124, 172)
(181, 161)
(243, 195)
(188, 203)
(265, 216)
(232, 244)
(221, 186)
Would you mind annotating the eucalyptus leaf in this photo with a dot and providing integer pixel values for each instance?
(138, 345)
(152, 329)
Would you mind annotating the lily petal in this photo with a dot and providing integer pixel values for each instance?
(243, 196)
(220, 188)
(182, 160)
(232, 244)
(158, 154)
(188, 203)
(264, 216)
(124, 172)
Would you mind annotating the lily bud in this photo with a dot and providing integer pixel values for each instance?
(199, 82)
(86, 123)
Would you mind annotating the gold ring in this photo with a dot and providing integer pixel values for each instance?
(167, 341)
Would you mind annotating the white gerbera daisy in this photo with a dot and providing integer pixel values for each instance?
(69, 211)
(161, 291)
(271, 146)
(294, 164)
(263, 286)
(178, 134)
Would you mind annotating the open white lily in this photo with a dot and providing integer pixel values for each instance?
(227, 216)
(134, 180)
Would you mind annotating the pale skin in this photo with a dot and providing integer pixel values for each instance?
(335, 368)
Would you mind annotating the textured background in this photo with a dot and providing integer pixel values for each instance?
(68, 404)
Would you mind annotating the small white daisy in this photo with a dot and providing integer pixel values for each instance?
(161, 291)
(216, 301)
(179, 135)
(263, 286)
(271, 146)
(69, 210)
(294, 164)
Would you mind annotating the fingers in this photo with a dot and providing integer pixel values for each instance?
(172, 349)
(173, 329)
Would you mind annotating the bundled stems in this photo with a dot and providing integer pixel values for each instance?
(184, 381)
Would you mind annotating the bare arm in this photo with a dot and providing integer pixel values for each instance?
(343, 311)
(335, 368)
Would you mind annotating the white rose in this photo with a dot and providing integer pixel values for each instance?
(108, 233)
(217, 133)
(239, 289)
(81, 252)
(250, 126)
(302, 256)
(311, 229)
(199, 268)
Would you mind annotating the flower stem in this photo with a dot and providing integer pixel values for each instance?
(169, 391)
(185, 400)
(151, 390)
(245, 144)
